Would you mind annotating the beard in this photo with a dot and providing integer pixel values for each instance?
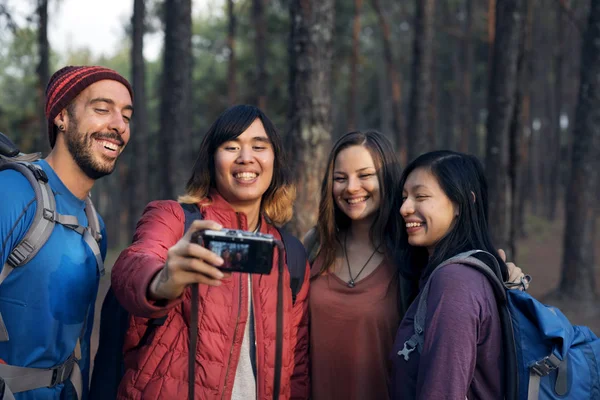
(80, 146)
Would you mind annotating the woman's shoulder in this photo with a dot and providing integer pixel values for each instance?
(460, 279)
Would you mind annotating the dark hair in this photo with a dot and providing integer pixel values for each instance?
(277, 201)
(461, 177)
(386, 225)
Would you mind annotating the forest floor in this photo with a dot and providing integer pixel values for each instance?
(539, 255)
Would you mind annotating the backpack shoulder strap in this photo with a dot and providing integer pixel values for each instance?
(466, 258)
(192, 213)
(296, 258)
(43, 221)
(312, 244)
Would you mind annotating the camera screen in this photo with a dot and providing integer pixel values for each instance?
(235, 255)
(248, 256)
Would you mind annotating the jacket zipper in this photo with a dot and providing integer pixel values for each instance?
(237, 320)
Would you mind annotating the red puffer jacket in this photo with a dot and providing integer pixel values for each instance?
(158, 368)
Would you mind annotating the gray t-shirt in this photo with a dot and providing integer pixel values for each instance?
(462, 352)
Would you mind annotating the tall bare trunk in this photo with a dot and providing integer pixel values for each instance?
(502, 93)
(138, 181)
(43, 72)
(231, 79)
(558, 96)
(466, 113)
(309, 117)
(175, 109)
(518, 130)
(352, 98)
(420, 124)
(578, 278)
(260, 43)
(396, 88)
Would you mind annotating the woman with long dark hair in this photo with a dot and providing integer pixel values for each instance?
(445, 211)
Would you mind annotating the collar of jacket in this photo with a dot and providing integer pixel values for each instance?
(217, 202)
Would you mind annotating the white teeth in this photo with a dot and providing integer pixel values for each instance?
(109, 145)
(413, 224)
(355, 201)
(245, 175)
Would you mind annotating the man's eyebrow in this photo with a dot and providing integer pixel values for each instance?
(261, 139)
(109, 101)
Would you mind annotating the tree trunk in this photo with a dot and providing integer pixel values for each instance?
(137, 182)
(501, 105)
(578, 281)
(43, 72)
(231, 80)
(522, 183)
(394, 78)
(420, 122)
(466, 117)
(558, 96)
(352, 105)
(309, 116)
(175, 108)
(517, 131)
(260, 42)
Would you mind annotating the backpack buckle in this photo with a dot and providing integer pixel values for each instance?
(39, 173)
(48, 214)
(63, 371)
(546, 365)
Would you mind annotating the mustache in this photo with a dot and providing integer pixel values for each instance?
(109, 136)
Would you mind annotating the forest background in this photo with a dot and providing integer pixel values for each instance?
(515, 82)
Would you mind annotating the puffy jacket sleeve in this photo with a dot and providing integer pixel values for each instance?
(300, 380)
(159, 228)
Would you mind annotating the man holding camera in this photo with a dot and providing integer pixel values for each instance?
(47, 298)
(240, 181)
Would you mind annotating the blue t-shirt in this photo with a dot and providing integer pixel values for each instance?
(47, 303)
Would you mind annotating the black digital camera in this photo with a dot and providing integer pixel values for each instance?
(242, 251)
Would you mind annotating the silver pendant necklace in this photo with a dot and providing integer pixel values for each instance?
(352, 282)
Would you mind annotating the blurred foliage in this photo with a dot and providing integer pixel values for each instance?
(18, 58)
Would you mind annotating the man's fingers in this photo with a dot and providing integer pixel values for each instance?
(502, 254)
(200, 267)
(200, 225)
(194, 277)
(194, 250)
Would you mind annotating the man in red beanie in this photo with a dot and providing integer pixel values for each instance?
(47, 302)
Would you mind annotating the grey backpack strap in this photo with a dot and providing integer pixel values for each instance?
(92, 235)
(466, 258)
(40, 229)
(43, 221)
(23, 379)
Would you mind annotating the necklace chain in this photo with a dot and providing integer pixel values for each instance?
(352, 281)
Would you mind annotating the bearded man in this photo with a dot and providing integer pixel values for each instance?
(47, 304)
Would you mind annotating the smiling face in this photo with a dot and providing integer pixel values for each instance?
(355, 183)
(244, 167)
(427, 211)
(97, 127)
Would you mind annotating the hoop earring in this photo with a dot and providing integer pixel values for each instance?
(61, 127)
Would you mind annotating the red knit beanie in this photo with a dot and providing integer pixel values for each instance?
(67, 83)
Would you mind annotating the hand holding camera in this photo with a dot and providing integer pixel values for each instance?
(188, 263)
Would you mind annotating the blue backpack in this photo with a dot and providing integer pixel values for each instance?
(114, 320)
(546, 357)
